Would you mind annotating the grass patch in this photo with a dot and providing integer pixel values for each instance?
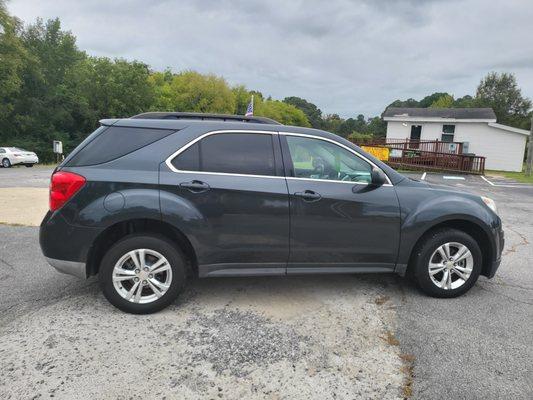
(517, 176)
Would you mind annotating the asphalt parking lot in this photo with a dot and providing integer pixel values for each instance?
(360, 336)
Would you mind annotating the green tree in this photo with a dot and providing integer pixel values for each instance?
(13, 56)
(312, 112)
(194, 92)
(108, 89)
(428, 101)
(405, 103)
(358, 137)
(242, 98)
(445, 101)
(377, 127)
(282, 112)
(502, 94)
(332, 122)
(464, 102)
(44, 109)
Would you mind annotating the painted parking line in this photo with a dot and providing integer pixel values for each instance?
(517, 185)
(423, 178)
(459, 178)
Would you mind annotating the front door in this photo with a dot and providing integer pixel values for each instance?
(416, 132)
(339, 221)
(228, 195)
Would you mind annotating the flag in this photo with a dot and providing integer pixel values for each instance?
(250, 109)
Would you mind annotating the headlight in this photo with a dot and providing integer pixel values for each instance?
(490, 203)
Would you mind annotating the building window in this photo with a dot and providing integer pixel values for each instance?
(447, 133)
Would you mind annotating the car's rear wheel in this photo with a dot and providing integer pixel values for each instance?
(142, 274)
(447, 263)
(6, 163)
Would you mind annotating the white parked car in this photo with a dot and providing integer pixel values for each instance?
(13, 155)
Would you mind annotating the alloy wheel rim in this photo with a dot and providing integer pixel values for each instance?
(142, 276)
(450, 265)
(6, 163)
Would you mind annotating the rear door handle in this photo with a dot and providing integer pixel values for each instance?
(308, 195)
(195, 186)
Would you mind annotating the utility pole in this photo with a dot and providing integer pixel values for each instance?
(529, 160)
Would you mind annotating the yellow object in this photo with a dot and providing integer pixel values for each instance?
(381, 153)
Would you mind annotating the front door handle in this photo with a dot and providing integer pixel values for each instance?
(195, 186)
(308, 195)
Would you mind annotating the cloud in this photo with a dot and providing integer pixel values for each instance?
(348, 57)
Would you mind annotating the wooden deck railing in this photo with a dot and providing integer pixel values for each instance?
(429, 155)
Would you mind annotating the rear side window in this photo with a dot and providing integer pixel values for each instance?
(116, 142)
(234, 153)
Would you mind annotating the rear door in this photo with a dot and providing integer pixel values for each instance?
(227, 192)
(339, 221)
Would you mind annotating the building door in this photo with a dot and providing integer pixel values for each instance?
(416, 131)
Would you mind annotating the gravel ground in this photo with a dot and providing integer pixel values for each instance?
(17, 176)
(293, 337)
(296, 337)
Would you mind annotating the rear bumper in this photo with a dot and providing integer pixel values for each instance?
(65, 246)
(75, 268)
(24, 160)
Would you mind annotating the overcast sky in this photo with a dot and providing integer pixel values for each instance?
(347, 57)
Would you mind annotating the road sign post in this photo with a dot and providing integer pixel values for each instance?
(58, 149)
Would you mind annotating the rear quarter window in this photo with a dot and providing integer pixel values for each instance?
(115, 142)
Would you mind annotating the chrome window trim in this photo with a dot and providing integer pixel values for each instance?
(344, 147)
(169, 159)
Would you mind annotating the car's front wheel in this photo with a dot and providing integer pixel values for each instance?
(142, 274)
(6, 163)
(447, 263)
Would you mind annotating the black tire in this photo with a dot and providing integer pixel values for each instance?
(426, 248)
(156, 243)
(6, 163)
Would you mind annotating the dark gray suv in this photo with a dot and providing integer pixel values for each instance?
(152, 200)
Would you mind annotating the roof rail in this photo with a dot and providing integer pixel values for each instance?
(205, 117)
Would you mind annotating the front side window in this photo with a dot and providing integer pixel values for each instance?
(319, 159)
(232, 153)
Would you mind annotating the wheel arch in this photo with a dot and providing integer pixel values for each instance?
(107, 238)
(472, 228)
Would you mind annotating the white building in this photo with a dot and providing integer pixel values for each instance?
(503, 146)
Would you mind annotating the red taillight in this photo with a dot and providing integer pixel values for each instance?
(63, 186)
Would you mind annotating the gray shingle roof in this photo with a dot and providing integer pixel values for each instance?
(455, 113)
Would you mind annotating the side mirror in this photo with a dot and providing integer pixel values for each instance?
(378, 177)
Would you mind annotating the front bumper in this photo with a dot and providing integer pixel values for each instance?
(77, 269)
(490, 270)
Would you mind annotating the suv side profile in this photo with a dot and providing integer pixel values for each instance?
(150, 201)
